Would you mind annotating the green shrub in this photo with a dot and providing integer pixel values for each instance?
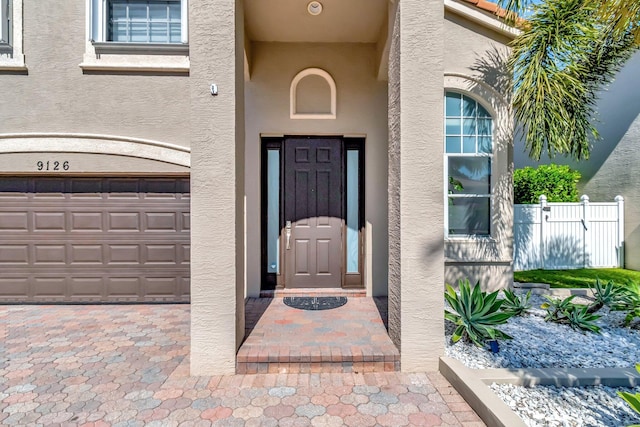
(557, 182)
(628, 301)
(566, 312)
(608, 294)
(475, 313)
(515, 304)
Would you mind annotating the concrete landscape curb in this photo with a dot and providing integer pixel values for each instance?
(488, 406)
(473, 385)
(561, 377)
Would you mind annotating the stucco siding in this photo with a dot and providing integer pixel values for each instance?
(361, 111)
(217, 243)
(395, 300)
(421, 184)
(56, 96)
(470, 47)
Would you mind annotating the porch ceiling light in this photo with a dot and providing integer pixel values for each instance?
(314, 8)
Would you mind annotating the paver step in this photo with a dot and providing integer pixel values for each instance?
(265, 359)
(351, 338)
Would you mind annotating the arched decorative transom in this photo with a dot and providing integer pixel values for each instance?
(313, 95)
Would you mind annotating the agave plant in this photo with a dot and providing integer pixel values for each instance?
(579, 317)
(632, 399)
(475, 313)
(608, 295)
(628, 301)
(566, 312)
(556, 307)
(514, 303)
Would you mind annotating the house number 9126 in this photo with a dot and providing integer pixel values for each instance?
(50, 165)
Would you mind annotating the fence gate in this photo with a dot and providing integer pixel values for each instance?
(554, 236)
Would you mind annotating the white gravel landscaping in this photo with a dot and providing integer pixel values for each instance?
(540, 344)
(568, 406)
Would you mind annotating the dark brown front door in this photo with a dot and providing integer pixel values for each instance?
(314, 213)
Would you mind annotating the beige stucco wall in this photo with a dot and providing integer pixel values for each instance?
(474, 65)
(217, 185)
(55, 96)
(361, 111)
(416, 131)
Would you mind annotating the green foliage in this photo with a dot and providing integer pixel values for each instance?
(632, 399)
(515, 304)
(557, 182)
(566, 312)
(567, 51)
(629, 301)
(475, 313)
(580, 278)
(556, 307)
(579, 317)
(609, 295)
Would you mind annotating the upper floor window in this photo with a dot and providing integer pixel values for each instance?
(145, 21)
(139, 21)
(11, 48)
(5, 25)
(468, 155)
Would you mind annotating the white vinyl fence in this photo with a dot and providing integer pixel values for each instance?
(554, 236)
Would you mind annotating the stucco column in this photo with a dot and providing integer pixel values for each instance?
(217, 185)
(416, 212)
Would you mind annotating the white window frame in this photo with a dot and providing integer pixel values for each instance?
(476, 154)
(5, 22)
(11, 53)
(99, 15)
(103, 55)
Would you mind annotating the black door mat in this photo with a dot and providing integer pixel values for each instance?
(315, 303)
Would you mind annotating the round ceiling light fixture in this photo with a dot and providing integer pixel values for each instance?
(314, 8)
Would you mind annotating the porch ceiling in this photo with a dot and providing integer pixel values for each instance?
(341, 21)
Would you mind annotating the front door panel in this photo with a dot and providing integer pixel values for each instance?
(314, 213)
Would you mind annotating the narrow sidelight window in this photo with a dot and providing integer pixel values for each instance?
(353, 197)
(273, 211)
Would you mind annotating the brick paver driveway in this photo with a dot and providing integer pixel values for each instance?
(127, 365)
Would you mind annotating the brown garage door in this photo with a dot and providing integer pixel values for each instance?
(94, 239)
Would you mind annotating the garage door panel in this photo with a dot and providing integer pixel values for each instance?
(160, 286)
(14, 288)
(160, 221)
(185, 254)
(86, 254)
(94, 239)
(86, 288)
(124, 221)
(53, 287)
(123, 254)
(49, 254)
(47, 221)
(14, 221)
(14, 254)
(123, 287)
(160, 254)
(86, 221)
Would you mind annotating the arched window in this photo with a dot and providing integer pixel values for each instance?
(468, 154)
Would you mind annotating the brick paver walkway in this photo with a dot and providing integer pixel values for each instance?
(128, 366)
(351, 338)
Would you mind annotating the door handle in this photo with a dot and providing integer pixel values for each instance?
(288, 234)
